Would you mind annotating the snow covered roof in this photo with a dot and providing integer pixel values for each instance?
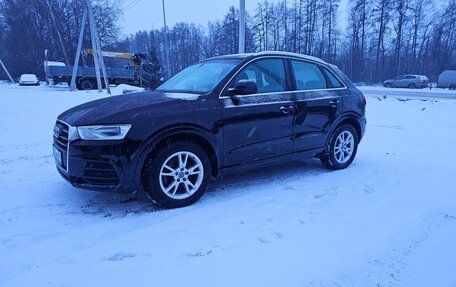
(54, 63)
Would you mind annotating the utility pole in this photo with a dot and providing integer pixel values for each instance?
(168, 70)
(94, 47)
(58, 33)
(6, 71)
(242, 27)
(98, 47)
(78, 51)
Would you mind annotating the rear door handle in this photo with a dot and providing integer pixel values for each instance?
(286, 109)
(333, 103)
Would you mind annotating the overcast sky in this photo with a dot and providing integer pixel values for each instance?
(147, 14)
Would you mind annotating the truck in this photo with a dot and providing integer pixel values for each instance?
(86, 76)
(135, 73)
(447, 79)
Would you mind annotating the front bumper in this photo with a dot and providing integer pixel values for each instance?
(97, 165)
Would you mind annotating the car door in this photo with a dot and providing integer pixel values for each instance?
(259, 126)
(396, 83)
(401, 82)
(319, 95)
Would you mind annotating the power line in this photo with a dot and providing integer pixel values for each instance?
(131, 5)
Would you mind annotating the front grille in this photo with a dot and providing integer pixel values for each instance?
(61, 135)
(100, 173)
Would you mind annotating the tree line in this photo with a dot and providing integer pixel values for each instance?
(27, 29)
(381, 38)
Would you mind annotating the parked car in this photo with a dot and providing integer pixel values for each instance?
(447, 80)
(220, 116)
(29, 80)
(408, 81)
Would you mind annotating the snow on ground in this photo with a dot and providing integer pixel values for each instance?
(388, 220)
(425, 93)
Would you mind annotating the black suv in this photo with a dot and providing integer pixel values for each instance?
(223, 114)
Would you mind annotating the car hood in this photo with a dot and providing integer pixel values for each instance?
(126, 108)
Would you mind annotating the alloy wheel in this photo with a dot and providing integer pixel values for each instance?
(181, 175)
(344, 147)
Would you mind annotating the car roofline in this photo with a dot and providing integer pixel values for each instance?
(268, 53)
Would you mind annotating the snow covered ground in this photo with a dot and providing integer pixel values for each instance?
(426, 93)
(388, 220)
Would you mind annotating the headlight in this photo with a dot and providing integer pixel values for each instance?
(107, 132)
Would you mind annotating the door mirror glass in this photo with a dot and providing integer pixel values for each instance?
(243, 87)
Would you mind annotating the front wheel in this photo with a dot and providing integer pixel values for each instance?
(341, 149)
(177, 175)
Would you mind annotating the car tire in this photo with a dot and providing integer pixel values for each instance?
(388, 86)
(176, 175)
(412, 86)
(452, 87)
(87, 84)
(341, 148)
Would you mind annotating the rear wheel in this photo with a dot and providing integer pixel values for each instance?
(388, 85)
(177, 175)
(341, 149)
(412, 86)
(87, 84)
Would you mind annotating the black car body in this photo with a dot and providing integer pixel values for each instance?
(279, 120)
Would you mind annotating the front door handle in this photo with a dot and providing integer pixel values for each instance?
(333, 103)
(286, 109)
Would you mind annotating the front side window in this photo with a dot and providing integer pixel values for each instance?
(308, 76)
(267, 74)
(200, 78)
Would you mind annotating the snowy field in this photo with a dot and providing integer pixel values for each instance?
(409, 93)
(387, 220)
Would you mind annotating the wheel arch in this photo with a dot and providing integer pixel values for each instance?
(351, 119)
(194, 133)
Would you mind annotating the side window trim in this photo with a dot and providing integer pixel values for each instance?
(320, 67)
(289, 76)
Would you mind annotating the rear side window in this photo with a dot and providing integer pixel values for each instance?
(333, 81)
(268, 74)
(308, 76)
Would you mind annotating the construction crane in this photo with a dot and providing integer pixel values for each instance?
(135, 58)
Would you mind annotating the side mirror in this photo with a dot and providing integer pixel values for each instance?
(243, 87)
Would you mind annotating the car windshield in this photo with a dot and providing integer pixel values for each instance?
(200, 78)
